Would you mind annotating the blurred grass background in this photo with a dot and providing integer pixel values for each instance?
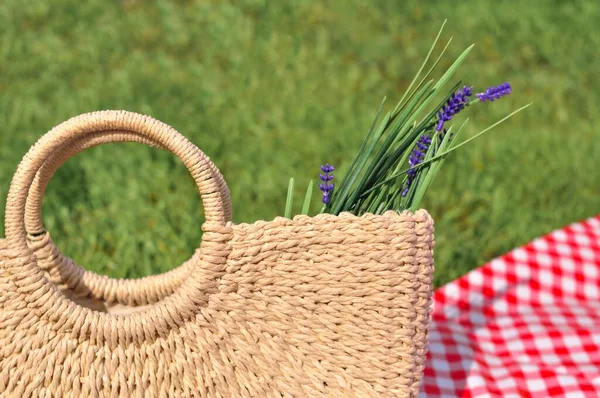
(270, 90)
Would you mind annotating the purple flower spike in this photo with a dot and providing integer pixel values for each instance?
(455, 104)
(495, 92)
(415, 158)
(326, 178)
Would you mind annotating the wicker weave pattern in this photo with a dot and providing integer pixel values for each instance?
(84, 286)
(314, 306)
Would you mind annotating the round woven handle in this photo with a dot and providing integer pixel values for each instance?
(108, 122)
(139, 291)
(34, 223)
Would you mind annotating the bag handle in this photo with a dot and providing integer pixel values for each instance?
(140, 291)
(34, 223)
(105, 121)
(21, 267)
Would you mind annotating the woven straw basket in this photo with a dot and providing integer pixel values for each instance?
(315, 306)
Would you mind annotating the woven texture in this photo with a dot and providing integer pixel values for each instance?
(525, 325)
(314, 306)
(86, 287)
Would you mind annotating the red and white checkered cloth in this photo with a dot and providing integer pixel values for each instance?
(525, 325)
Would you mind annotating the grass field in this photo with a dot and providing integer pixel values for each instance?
(270, 90)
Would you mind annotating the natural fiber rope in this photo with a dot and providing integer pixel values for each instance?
(315, 306)
(63, 270)
(172, 311)
(33, 218)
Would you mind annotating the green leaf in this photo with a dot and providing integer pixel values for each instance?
(424, 185)
(429, 71)
(288, 202)
(377, 201)
(396, 110)
(425, 163)
(435, 64)
(423, 125)
(339, 195)
(421, 175)
(398, 131)
(450, 72)
(307, 198)
(488, 129)
(342, 198)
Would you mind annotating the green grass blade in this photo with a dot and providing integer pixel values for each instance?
(421, 68)
(366, 140)
(450, 72)
(413, 116)
(342, 195)
(400, 153)
(456, 135)
(360, 157)
(400, 126)
(435, 167)
(376, 202)
(432, 67)
(427, 119)
(437, 61)
(450, 150)
(487, 129)
(421, 96)
(421, 176)
(307, 198)
(393, 197)
(397, 132)
(288, 202)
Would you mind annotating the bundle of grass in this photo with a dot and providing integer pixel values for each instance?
(403, 151)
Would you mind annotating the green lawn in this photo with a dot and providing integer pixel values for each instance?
(270, 90)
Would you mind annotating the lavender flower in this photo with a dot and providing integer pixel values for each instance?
(415, 158)
(326, 187)
(455, 104)
(495, 92)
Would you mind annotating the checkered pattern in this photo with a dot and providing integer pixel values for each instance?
(525, 325)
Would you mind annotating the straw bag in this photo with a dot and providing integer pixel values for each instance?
(314, 306)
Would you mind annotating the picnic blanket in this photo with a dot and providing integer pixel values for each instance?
(526, 324)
